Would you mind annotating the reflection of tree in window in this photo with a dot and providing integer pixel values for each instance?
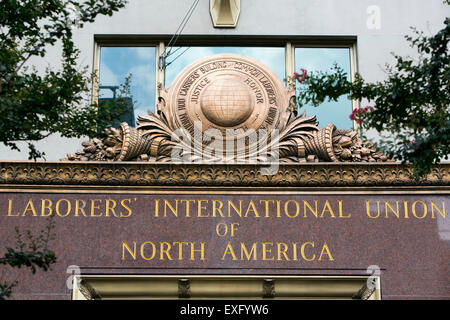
(116, 64)
(129, 116)
(322, 59)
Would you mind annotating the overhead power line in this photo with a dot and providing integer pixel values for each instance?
(162, 59)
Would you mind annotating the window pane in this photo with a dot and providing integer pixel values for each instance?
(322, 59)
(273, 57)
(116, 63)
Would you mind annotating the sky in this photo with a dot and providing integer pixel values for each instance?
(273, 57)
(116, 63)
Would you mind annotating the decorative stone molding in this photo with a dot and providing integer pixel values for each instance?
(268, 288)
(219, 175)
(88, 291)
(219, 287)
(184, 288)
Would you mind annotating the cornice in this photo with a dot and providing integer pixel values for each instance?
(216, 175)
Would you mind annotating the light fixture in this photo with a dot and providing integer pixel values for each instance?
(225, 13)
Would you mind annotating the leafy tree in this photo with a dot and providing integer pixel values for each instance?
(411, 105)
(32, 253)
(35, 105)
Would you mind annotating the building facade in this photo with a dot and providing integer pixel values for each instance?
(166, 230)
(285, 35)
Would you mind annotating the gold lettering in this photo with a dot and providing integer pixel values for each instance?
(231, 204)
(266, 206)
(46, 204)
(368, 209)
(266, 250)
(278, 209)
(313, 211)
(110, 205)
(282, 251)
(94, 206)
(201, 208)
(174, 210)
(201, 250)
(132, 253)
(302, 250)
(405, 204)
(396, 212)
(340, 211)
(251, 208)
(165, 251)
(327, 207)
(122, 203)
(234, 227)
(229, 250)
(441, 212)
(215, 208)
(10, 214)
(218, 229)
(286, 211)
(29, 206)
(294, 249)
(326, 250)
(424, 209)
(188, 207)
(69, 207)
(153, 250)
(248, 255)
(156, 207)
(180, 248)
(80, 208)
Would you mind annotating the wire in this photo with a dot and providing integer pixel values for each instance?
(182, 25)
(178, 32)
(190, 14)
(176, 50)
(173, 36)
(169, 63)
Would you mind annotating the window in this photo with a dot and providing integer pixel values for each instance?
(116, 64)
(118, 57)
(322, 59)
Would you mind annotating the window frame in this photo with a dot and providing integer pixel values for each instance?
(353, 52)
(99, 43)
(290, 43)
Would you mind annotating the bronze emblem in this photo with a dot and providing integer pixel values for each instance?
(227, 92)
(233, 94)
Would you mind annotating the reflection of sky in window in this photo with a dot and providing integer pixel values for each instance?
(322, 59)
(116, 63)
(271, 57)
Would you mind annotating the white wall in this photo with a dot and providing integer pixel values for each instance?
(263, 17)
